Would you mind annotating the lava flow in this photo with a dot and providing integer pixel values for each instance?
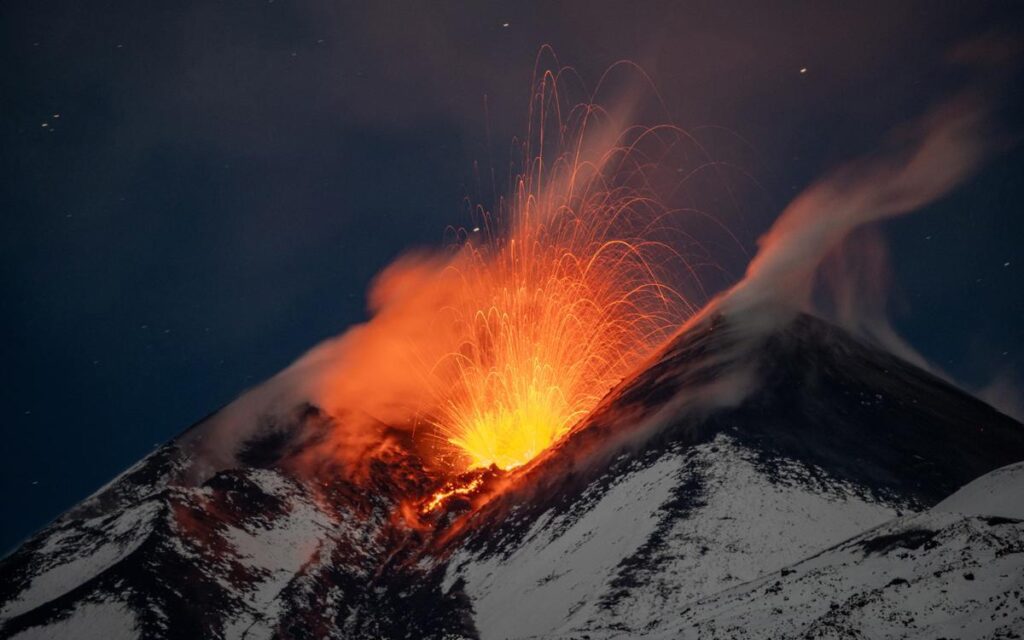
(456, 490)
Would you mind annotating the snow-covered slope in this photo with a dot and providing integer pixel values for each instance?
(695, 521)
(234, 545)
(1000, 493)
(725, 466)
(838, 438)
(955, 571)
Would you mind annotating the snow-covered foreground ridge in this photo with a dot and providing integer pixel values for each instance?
(954, 571)
(840, 492)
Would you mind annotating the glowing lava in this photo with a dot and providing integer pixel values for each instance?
(547, 322)
(444, 494)
(561, 295)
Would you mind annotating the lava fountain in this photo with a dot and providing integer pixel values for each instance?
(478, 358)
(560, 292)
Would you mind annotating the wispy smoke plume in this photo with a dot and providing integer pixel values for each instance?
(366, 377)
(824, 256)
(855, 281)
(936, 155)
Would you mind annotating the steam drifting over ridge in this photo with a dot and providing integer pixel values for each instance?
(938, 154)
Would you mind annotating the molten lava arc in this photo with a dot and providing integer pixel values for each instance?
(561, 295)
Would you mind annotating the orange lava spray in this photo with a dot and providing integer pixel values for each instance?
(563, 292)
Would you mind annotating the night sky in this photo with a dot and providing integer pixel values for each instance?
(194, 193)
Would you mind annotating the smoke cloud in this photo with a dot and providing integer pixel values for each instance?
(935, 155)
(824, 256)
(365, 378)
(855, 280)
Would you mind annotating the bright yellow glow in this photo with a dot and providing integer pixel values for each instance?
(544, 328)
(523, 411)
(509, 340)
(547, 311)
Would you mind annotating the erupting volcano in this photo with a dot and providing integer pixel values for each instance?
(549, 430)
(544, 321)
(566, 292)
(558, 293)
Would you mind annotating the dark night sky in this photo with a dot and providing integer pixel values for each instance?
(225, 178)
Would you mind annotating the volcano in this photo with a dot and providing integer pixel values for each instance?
(796, 482)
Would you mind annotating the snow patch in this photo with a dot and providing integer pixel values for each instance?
(693, 522)
(276, 550)
(555, 578)
(999, 493)
(88, 621)
(744, 524)
(72, 564)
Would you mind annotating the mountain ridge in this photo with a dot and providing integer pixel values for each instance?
(731, 456)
